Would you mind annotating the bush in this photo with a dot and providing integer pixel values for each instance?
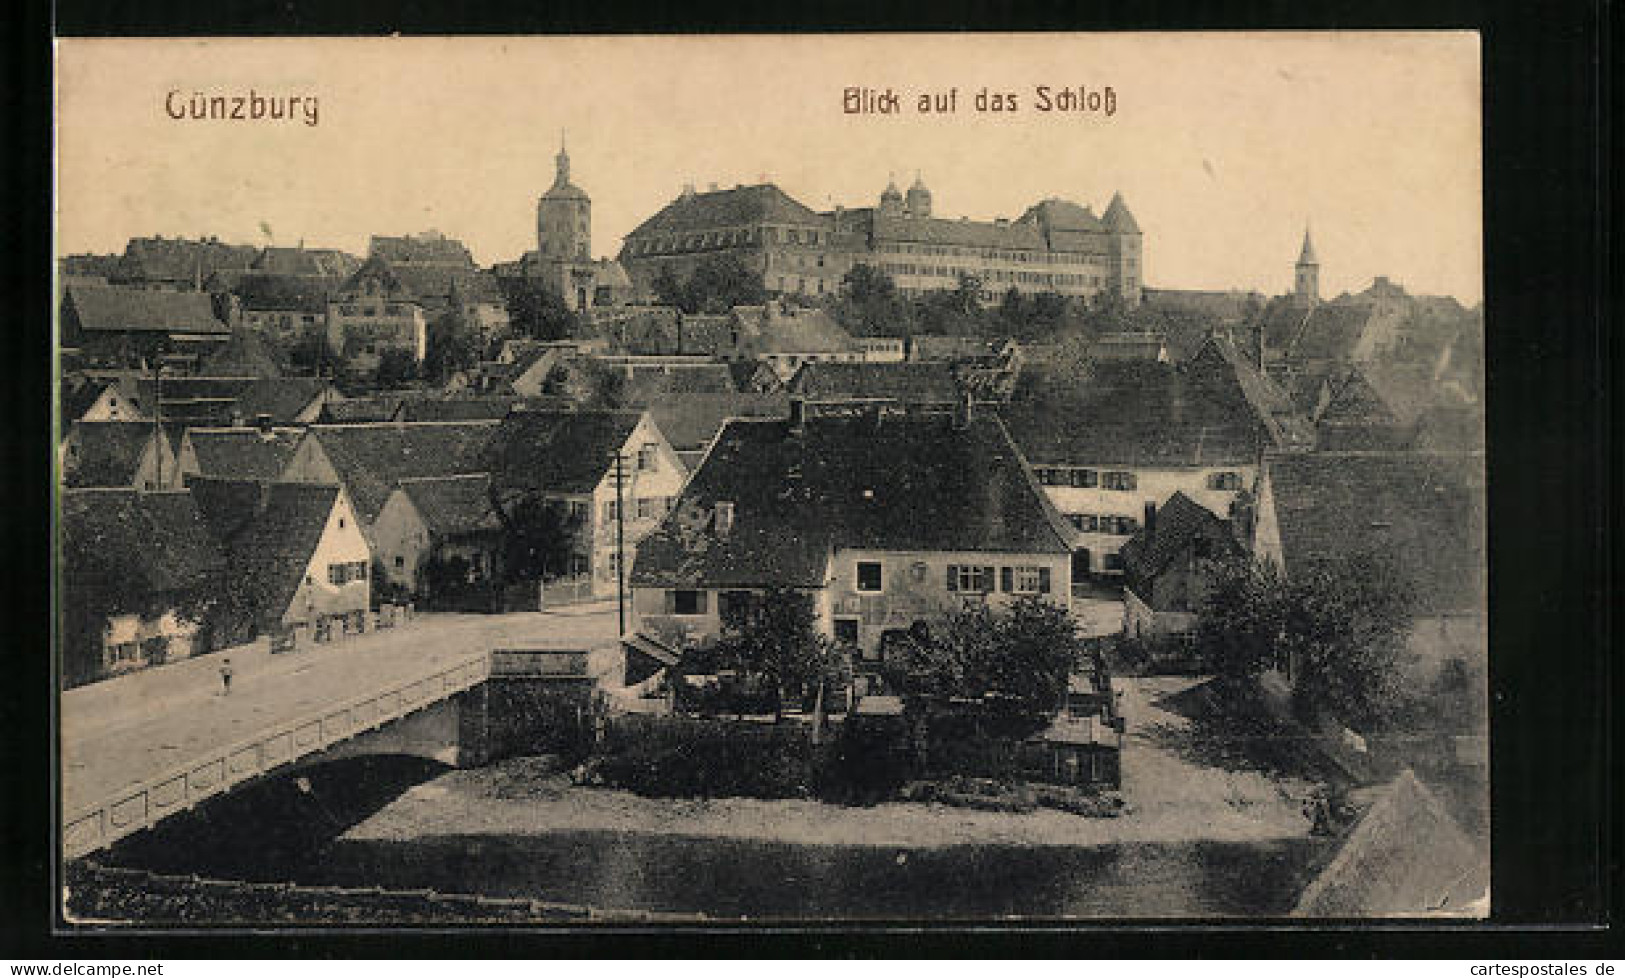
(684, 757)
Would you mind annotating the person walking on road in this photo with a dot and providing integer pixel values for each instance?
(225, 677)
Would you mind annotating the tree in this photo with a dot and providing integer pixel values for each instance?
(869, 305)
(1019, 658)
(396, 367)
(720, 282)
(1338, 627)
(453, 344)
(773, 635)
(311, 355)
(537, 311)
(540, 537)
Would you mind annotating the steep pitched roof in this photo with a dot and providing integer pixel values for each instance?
(106, 453)
(906, 381)
(910, 485)
(558, 451)
(246, 353)
(361, 410)
(227, 504)
(157, 541)
(1134, 413)
(740, 207)
(452, 505)
(1118, 218)
(1181, 523)
(243, 453)
(479, 408)
(272, 550)
(372, 459)
(1406, 857)
(1421, 510)
(283, 398)
(428, 248)
(690, 421)
(1323, 331)
(115, 308)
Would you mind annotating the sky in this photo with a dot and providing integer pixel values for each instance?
(1224, 146)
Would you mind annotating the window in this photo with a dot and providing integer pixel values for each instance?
(725, 517)
(400, 562)
(649, 508)
(1085, 478)
(338, 574)
(1114, 562)
(1120, 481)
(610, 511)
(869, 575)
(1230, 481)
(646, 456)
(971, 580)
(686, 602)
(846, 631)
(1024, 580)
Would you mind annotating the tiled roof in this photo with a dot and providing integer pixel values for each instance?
(272, 551)
(283, 398)
(360, 410)
(1118, 218)
(649, 383)
(264, 292)
(114, 308)
(181, 260)
(480, 408)
(246, 353)
(1180, 522)
(324, 262)
(690, 421)
(967, 233)
(905, 485)
(157, 541)
(906, 381)
(429, 249)
(106, 453)
(948, 347)
(736, 208)
(243, 453)
(558, 451)
(227, 504)
(1325, 331)
(1415, 508)
(1135, 413)
(453, 504)
(372, 459)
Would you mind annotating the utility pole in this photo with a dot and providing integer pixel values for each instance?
(619, 463)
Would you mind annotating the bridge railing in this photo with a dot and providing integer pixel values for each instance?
(94, 826)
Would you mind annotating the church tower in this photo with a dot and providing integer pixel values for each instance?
(1306, 287)
(918, 203)
(564, 217)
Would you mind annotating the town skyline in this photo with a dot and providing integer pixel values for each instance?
(1346, 151)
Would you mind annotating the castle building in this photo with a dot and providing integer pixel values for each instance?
(1055, 246)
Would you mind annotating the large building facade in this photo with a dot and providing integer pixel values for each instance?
(1055, 246)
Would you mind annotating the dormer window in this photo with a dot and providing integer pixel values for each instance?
(724, 517)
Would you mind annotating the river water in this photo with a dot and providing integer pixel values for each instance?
(285, 830)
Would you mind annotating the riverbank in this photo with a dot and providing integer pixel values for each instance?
(1171, 796)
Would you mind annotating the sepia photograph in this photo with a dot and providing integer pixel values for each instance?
(658, 481)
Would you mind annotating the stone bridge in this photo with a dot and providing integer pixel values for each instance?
(141, 748)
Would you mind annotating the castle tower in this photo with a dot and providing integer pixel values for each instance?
(919, 198)
(1306, 283)
(564, 217)
(1123, 249)
(891, 200)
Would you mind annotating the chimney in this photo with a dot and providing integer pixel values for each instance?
(263, 423)
(688, 191)
(712, 187)
(798, 414)
(1150, 522)
(236, 416)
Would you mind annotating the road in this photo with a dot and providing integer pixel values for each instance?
(122, 732)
